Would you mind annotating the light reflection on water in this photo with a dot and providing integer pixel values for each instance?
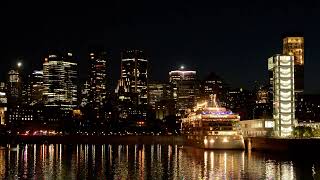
(57, 161)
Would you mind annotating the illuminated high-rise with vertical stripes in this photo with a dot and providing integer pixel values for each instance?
(132, 87)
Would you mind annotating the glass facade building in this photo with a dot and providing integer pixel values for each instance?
(59, 80)
(184, 88)
(98, 81)
(35, 88)
(132, 88)
(158, 92)
(134, 75)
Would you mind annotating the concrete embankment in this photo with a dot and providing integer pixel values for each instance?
(281, 144)
(128, 139)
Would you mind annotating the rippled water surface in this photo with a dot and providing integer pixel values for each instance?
(58, 161)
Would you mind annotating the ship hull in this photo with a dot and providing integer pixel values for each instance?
(216, 142)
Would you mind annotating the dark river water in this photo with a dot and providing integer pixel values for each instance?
(58, 161)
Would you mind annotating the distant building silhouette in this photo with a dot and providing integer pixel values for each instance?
(213, 84)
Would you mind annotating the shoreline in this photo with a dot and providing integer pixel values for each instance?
(251, 143)
(109, 139)
(283, 145)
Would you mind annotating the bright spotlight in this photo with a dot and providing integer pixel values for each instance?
(19, 64)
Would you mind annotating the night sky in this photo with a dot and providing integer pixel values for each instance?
(232, 38)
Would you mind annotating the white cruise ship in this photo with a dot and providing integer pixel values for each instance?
(213, 127)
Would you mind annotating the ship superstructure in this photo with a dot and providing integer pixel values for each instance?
(213, 127)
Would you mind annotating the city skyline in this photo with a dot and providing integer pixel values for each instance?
(201, 35)
(113, 80)
(138, 89)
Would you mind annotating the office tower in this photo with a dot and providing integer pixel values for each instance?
(132, 88)
(18, 114)
(284, 94)
(241, 101)
(184, 89)
(270, 78)
(158, 92)
(14, 86)
(59, 80)
(98, 82)
(85, 94)
(3, 107)
(213, 84)
(294, 46)
(34, 88)
(309, 108)
(236, 99)
(263, 107)
(134, 76)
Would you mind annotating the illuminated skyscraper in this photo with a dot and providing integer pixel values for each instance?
(158, 92)
(98, 82)
(294, 46)
(3, 107)
(284, 94)
(132, 88)
(14, 86)
(134, 76)
(184, 89)
(37, 86)
(59, 80)
(34, 88)
(85, 94)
